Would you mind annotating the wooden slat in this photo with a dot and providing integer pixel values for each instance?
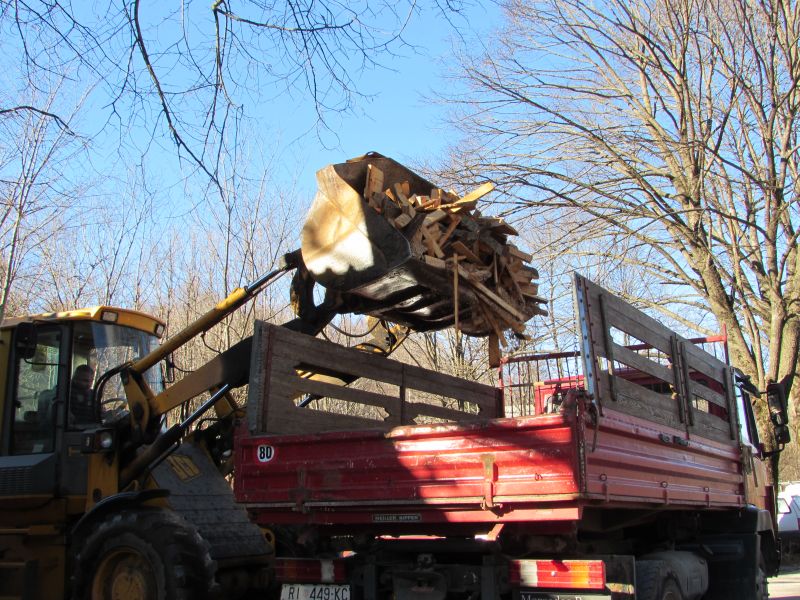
(327, 355)
(707, 425)
(622, 316)
(415, 409)
(441, 384)
(641, 363)
(282, 408)
(702, 361)
(641, 402)
(348, 394)
(311, 420)
(707, 393)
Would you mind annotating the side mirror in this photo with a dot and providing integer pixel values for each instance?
(25, 340)
(169, 368)
(778, 413)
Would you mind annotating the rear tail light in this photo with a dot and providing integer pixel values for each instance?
(559, 574)
(306, 570)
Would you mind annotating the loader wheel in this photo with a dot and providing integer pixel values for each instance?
(654, 583)
(149, 554)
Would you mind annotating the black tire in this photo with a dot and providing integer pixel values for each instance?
(654, 582)
(761, 591)
(147, 554)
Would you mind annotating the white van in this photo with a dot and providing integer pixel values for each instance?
(789, 516)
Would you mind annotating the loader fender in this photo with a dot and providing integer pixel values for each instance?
(114, 504)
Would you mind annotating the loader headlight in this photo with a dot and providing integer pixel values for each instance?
(99, 440)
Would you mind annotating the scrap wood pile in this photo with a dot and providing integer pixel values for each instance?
(448, 232)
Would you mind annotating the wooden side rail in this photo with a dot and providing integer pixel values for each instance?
(288, 367)
(682, 386)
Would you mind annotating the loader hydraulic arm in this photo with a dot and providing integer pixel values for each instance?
(145, 405)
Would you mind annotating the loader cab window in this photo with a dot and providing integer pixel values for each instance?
(96, 349)
(35, 400)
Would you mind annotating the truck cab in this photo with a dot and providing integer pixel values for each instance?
(50, 407)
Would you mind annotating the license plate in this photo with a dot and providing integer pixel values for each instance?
(526, 595)
(313, 591)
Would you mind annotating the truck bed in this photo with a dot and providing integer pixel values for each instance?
(640, 432)
(532, 469)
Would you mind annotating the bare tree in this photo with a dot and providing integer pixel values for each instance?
(672, 126)
(191, 73)
(34, 199)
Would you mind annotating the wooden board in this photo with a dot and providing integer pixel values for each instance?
(646, 404)
(278, 355)
(641, 363)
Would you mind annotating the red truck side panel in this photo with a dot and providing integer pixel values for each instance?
(479, 472)
(542, 468)
(638, 460)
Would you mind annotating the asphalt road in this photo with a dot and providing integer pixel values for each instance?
(786, 586)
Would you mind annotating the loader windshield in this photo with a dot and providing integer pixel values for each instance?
(97, 348)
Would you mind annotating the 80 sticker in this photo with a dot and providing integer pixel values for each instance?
(265, 453)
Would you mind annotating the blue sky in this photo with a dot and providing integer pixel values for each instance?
(400, 115)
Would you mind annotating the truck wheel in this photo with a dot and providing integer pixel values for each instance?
(761, 581)
(149, 554)
(653, 582)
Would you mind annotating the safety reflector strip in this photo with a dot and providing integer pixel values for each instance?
(309, 570)
(559, 574)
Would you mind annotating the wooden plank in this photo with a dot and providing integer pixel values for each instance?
(500, 227)
(705, 363)
(476, 194)
(460, 248)
(325, 354)
(492, 297)
(434, 217)
(430, 243)
(483, 401)
(286, 392)
(516, 252)
(290, 389)
(647, 404)
(312, 421)
(706, 393)
(493, 350)
(641, 363)
(361, 365)
(710, 426)
(348, 394)
(401, 196)
(449, 386)
(434, 262)
(631, 320)
(628, 322)
(416, 409)
(374, 183)
(402, 220)
(454, 221)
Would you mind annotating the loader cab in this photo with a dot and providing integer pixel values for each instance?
(51, 364)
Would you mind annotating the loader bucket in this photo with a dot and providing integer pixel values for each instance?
(348, 247)
(346, 244)
(393, 251)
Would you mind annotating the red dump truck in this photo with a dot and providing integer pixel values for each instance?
(638, 474)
